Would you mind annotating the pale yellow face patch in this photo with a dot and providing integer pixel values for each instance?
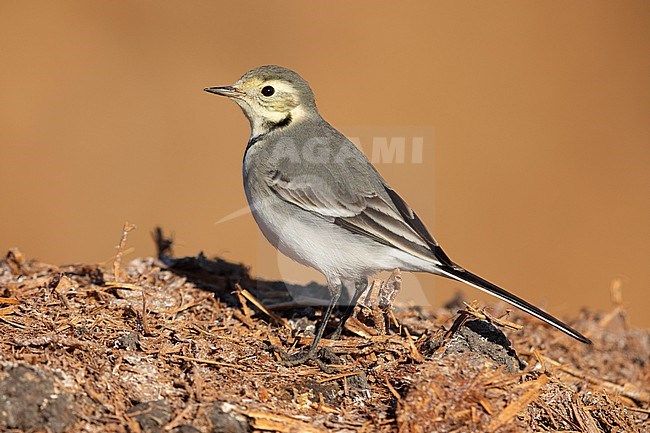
(284, 98)
(262, 110)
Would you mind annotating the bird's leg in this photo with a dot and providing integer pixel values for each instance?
(359, 287)
(335, 292)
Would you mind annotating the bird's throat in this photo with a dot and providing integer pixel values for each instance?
(270, 127)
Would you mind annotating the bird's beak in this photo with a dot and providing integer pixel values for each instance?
(227, 91)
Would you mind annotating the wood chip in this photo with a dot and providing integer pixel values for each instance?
(279, 423)
(535, 389)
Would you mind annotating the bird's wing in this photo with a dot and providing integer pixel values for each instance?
(418, 226)
(382, 217)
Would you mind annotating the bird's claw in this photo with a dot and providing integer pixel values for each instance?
(313, 354)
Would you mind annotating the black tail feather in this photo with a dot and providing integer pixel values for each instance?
(460, 274)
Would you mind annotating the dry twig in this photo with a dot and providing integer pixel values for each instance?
(120, 250)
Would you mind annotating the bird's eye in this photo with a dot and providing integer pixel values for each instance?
(268, 91)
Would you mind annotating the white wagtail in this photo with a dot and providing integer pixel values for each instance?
(318, 199)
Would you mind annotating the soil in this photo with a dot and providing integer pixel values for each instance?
(186, 345)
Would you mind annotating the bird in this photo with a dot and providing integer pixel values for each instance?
(318, 199)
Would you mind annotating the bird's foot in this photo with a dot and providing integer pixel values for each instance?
(319, 356)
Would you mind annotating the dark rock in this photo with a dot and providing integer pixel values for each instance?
(30, 400)
(483, 339)
(151, 415)
(225, 420)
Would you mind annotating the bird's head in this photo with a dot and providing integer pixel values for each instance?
(271, 97)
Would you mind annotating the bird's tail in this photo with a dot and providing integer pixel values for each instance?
(462, 275)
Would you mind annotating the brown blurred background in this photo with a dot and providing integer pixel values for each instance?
(538, 176)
